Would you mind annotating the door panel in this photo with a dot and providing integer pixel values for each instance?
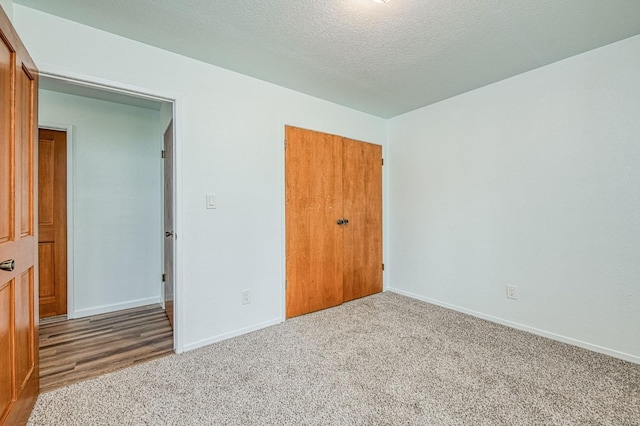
(18, 312)
(362, 187)
(23, 317)
(46, 177)
(6, 211)
(168, 222)
(24, 133)
(313, 189)
(6, 348)
(52, 222)
(47, 270)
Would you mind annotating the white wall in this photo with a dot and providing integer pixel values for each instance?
(116, 202)
(230, 131)
(7, 6)
(534, 182)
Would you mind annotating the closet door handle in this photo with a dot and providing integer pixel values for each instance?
(340, 222)
(8, 265)
(345, 221)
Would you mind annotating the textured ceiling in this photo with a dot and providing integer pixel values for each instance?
(385, 59)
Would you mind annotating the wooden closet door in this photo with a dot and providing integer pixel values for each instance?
(18, 241)
(314, 245)
(362, 191)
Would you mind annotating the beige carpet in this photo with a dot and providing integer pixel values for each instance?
(382, 360)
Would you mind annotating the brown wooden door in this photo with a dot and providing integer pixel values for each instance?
(314, 261)
(52, 222)
(18, 241)
(169, 237)
(329, 179)
(362, 189)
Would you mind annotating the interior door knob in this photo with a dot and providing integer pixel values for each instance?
(340, 221)
(168, 234)
(345, 221)
(8, 265)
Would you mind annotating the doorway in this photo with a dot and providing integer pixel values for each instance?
(112, 178)
(115, 201)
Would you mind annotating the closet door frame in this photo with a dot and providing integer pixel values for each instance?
(318, 272)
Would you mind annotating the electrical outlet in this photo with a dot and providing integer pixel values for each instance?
(511, 292)
(246, 297)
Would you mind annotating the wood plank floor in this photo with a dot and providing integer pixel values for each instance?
(75, 350)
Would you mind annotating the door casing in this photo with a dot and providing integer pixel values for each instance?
(136, 91)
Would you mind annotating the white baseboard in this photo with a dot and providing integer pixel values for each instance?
(103, 309)
(235, 333)
(543, 333)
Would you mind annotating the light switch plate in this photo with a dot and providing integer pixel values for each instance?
(211, 201)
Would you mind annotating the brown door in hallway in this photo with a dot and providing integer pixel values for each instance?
(333, 219)
(18, 233)
(52, 222)
(169, 236)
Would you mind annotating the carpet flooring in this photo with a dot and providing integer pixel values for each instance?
(381, 360)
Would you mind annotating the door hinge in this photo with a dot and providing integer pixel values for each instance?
(285, 144)
(164, 278)
(164, 154)
(383, 161)
(383, 266)
(286, 283)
